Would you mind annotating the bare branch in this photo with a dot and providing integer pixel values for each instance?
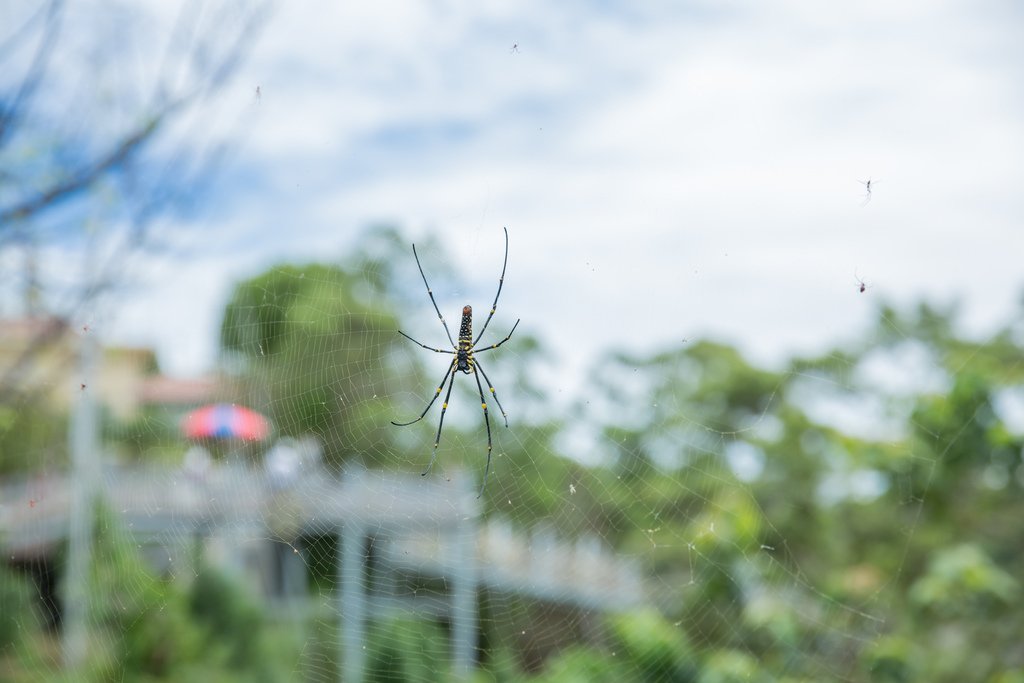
(83, 178)
(206, 59)
(34, 74)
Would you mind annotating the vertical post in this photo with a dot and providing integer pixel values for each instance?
(464, 593)
(83, 447)
(353, 601)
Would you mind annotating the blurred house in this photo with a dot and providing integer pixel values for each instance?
(39, 359)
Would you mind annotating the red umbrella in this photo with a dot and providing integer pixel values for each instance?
(225, 421)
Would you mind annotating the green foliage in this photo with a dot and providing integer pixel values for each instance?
(642, 646)
(148, 628)
(32, 437)
(407, 651)
(963, 581)
(732, 666)
(655, 649)
(153, 436)
(776, 573)
(782, 579)
(585, 665)
(315, 341)
(139, 633)
(891, 660)
(233, 620)
(159, 642)
(16, 612)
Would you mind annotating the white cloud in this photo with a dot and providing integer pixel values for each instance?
(672, 173)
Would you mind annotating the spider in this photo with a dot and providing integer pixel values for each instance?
(463, 360)
(867, 190)
(861, 285)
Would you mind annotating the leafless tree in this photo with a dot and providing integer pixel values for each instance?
(103, 133)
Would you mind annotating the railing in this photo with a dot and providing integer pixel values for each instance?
(419, 517)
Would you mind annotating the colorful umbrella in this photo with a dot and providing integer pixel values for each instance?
(225, 421)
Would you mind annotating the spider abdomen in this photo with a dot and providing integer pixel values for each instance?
(466, 328)
(464, 354)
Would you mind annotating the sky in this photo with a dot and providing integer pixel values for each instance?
(666, 171)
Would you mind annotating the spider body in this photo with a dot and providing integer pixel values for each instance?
(463, 361)
(861, 285)
(464, 355)
(867, 190)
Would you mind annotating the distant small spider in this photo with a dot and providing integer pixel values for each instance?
(867, 190)
(861, 285)
(514, 48)
(83, 387)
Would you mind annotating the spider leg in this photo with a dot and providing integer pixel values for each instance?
(487, 421)
(449, 371)
(431, 294)
(501, 281)
(444, 407)
(491, 387)
(428, 348)
(494, 346)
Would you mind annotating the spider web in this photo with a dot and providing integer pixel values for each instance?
(684, 513)
(666, 504)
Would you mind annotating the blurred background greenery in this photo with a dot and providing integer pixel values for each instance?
(779, 539)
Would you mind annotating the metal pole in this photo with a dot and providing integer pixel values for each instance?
(464, 598)
(352, 608)
(83, 446)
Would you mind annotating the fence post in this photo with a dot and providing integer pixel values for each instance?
(464, 588)
(352, 607)
(83, 445)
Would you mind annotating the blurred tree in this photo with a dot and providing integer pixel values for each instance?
(407, 651)
(16, 612)
(161, 628)
(641, 646)
(735, 487)
(32, 436)
(728, 480)
(314, 345)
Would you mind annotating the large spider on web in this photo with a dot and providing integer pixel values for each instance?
(463, 360)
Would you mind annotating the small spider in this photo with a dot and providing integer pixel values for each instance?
(463, 360)
(867, 190)
(861, 285)
(514, 48)
(82, 387)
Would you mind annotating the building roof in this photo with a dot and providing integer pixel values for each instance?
(163, 390)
